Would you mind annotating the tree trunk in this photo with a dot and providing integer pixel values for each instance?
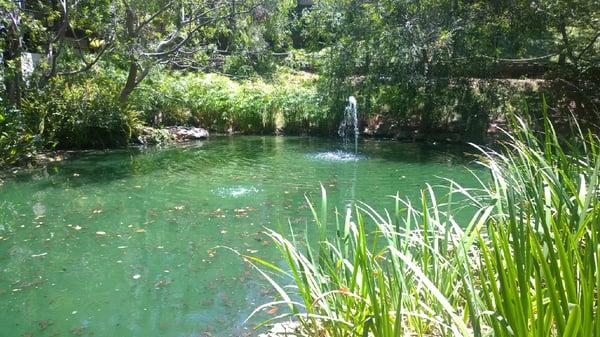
(131, 82)
(136, 75)
(13, 76)
(567, 51)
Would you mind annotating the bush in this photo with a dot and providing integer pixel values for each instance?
(81, 113)
(18, 141)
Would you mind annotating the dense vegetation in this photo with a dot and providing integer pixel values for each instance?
(430, 65)
(105, 67)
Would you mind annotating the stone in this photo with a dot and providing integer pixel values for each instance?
(192, 133)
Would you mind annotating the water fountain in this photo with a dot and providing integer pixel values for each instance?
(347, 129)
(349, 124)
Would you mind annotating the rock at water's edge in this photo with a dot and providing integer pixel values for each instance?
(146, 135)
(184, 133)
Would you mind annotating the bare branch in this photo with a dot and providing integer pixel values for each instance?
(191, 33)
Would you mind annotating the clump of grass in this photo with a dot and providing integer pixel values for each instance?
(540, 267)
(526, 264)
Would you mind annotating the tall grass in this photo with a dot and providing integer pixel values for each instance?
(526, 264)
(540, 264)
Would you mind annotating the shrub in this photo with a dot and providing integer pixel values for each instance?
(18, 141)
(81, 113)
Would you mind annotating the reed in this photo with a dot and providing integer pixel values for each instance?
(525, 264)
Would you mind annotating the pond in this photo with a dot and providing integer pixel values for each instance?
(122, 243)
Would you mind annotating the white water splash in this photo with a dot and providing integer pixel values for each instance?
(235, 192)
(336, 156)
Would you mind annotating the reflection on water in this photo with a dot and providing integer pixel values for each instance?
(122, 243)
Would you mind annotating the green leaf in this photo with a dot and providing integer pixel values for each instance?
(573, 323)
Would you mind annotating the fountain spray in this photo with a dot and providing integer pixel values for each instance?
(349, 123)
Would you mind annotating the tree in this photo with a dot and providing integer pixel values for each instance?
(156, 32)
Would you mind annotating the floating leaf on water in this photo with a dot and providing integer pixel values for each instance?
(218, 213)
(140, 230)
(100, 233)
(136, 276)
(273, 310)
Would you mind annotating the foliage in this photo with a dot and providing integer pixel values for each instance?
(429, 65)
(81, 113)
(219, 103)
(17, 141)
(526, 264)
(540, 267)
(421, 49)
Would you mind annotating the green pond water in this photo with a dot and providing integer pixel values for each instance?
(121, 243)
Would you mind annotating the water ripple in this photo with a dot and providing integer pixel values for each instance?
(336, 156)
